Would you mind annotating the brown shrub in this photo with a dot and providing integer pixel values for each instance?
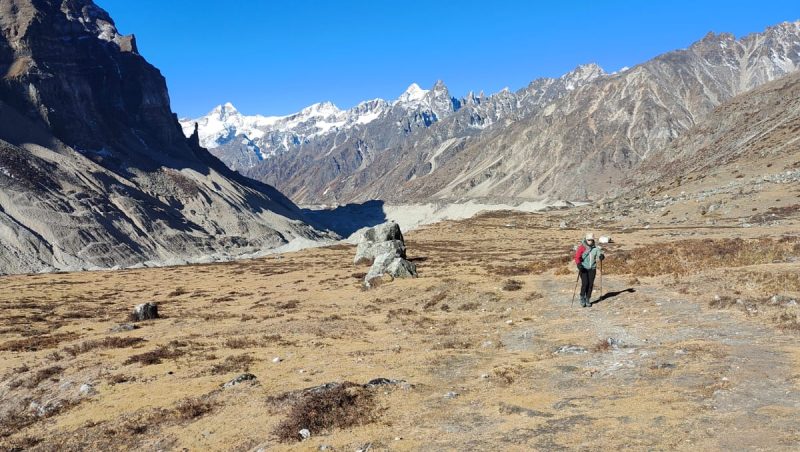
(119, 379)
(192, 408)
(108, 342)
(453, 344)
(169, 351)
(509, 270)
(689, 256)
(42, 375)
(603, 345)
(235, 363)
(788, 321)
(334, 406)
(512, 285)
(36, 343)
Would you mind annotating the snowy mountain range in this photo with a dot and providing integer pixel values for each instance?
(571, 137)
(242, 141)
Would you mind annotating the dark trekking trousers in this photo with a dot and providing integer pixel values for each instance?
(587, 282)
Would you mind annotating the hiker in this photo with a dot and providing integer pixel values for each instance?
(586, 258)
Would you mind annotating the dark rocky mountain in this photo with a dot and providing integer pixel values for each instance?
(94, 168)
(576, 137)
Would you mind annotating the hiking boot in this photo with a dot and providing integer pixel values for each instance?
(583, 301)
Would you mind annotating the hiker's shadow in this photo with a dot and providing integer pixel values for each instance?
(608, 295)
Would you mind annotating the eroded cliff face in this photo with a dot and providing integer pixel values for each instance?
(94, 168)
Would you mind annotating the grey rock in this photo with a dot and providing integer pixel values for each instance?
(391, 266)
(87, 390)
(305, 434)
(124, 327)
(145, 311)
(384, 232)
(570, 350)
(367, 251)
(240, 379)
(451, 395)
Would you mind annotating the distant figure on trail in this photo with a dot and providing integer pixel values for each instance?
(586, 258)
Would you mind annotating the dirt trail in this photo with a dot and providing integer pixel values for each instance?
(737, 375)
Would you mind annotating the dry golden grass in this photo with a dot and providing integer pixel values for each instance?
(456, 329)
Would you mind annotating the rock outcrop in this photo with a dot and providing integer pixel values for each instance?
(95, 171)
(384, 248)
(385, 238)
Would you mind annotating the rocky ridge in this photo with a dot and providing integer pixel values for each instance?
(575, 137)
(95, 171)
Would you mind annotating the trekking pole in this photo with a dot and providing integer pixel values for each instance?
(575, 289)
(601, 278)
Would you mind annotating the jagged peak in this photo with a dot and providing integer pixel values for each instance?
(412, 93)
(224, 110)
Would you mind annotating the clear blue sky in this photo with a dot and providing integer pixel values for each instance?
(276, 57)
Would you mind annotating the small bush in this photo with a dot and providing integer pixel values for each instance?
(42, 375)
(336, 406)
(603, 345)
(512, 285)
(109, 342)
(35, 343)
(170, 351)
(192, 408)
(236, 363)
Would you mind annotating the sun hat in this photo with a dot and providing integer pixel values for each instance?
(589, 236)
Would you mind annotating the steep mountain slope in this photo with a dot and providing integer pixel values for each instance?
(757, 132)
(584, 144)
(576, 137)
(94, 168)
(311, 154)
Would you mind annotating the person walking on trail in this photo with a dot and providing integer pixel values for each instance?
(586, 258)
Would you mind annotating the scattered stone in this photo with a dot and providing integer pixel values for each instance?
(240, 379)
(87, 390)
(451, 395)
(562, 225)
(145, 311)
(605, 239)
(509, 322)
(570, 350)
(305, 434)
(124, 327)
(276, 359)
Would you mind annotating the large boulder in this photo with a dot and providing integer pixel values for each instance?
(391, 266)
(367, 251)
(383, 232)
(145, 311)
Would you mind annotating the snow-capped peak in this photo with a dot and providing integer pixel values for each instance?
(581, 75)
(320, 109)
(413, 94)
(225, 110)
